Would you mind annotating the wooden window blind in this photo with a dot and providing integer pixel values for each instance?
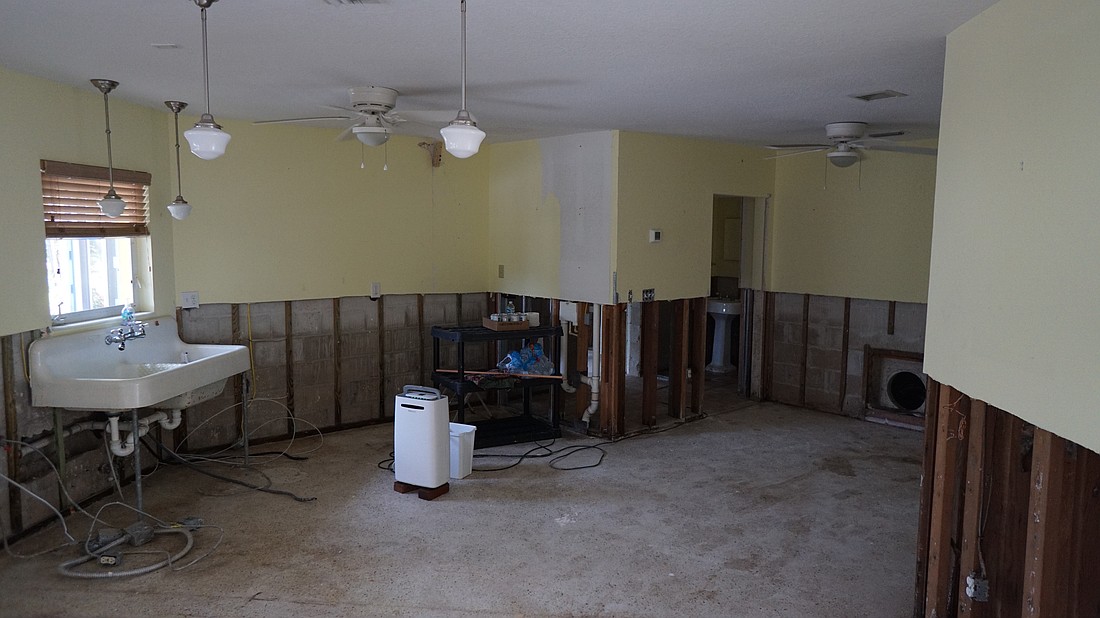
(70, 193)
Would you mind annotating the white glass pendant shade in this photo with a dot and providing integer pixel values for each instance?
(111, 204)
(206, 138)
(179, 208)
(461, 137)
(371, 136)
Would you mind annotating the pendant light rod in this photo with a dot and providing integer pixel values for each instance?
(177, 107)
(205, 61)
(106, 86)
(463, 55)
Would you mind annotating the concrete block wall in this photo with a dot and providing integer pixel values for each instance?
(313, 345)
(787, 348)
(360, 373)
(815, 346)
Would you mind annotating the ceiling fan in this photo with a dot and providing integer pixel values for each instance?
(846, 139)
(371, 109)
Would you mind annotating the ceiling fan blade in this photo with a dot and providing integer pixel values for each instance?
(346, 133)
(799, 146)
(307, 119)
(892, 147)
(800, 152)
(886, 134)
(434, 117)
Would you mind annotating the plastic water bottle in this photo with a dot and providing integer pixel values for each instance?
(128, 314)
(510, 308)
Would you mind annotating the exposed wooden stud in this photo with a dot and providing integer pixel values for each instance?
(767, 348)
(651, 313)
(974, 507)
(288, 324)
(421, 343)
(678, 359)
(11, 427)
(337, 378)
(238, 380)
(698, 347)
(1046, 586)
(381, 357)
(844, 354)
(890, 320)
(951, 433)
(931, 424)
(555, 320)
(584, 341)
(805, 350)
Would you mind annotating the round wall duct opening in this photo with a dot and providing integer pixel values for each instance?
(906, 390)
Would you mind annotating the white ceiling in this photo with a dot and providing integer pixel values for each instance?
(751, 71)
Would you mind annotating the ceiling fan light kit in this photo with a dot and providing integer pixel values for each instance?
(371, 136)
(842, 158)
(461, 137)
(111, 204)
(207, 139)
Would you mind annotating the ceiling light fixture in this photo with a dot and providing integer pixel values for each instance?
(111, 204)
(843, 156)
(179, 206)
(207, 140)
(371, 133)
(462, 137)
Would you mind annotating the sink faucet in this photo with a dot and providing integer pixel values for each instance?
(132, 330)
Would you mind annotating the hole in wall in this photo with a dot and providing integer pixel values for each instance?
(906, 390)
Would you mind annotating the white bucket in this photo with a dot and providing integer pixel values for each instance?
(462, 450)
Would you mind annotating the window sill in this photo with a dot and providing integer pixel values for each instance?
(72, 328)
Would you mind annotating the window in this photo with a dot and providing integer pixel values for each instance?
(95, 265)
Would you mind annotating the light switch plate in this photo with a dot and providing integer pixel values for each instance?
(189, 300)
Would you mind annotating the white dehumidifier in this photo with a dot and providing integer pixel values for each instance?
(421, 441)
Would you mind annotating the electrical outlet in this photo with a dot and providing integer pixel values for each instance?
(654, 235)
(189, 300)
(500, 271)
(648, 295)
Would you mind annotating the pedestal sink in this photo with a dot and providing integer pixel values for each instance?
(80, 372)
(723, 312)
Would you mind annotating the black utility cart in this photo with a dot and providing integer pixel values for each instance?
(510, 429)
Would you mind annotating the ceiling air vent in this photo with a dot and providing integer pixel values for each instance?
(881, 94)
(354, 1)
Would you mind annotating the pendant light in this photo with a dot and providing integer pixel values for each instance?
(461, 137)
(111, 204)
(179, 206)
(207, 140)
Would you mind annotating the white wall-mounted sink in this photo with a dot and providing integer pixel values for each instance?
(81, 372)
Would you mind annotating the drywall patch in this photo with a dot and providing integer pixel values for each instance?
(578, 170)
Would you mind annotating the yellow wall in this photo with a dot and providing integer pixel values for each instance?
(46, 120)
(523, 223)
(1015, 279)
(669, 183)
(287, 213)
(851, 232)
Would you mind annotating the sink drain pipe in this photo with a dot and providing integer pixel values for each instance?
(124, 448)
(121, 448)
(593, 377)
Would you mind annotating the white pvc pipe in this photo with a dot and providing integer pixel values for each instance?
(124, 448)
(563, 353)
(593, 377)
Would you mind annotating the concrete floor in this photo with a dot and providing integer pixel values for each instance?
(756, 510)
